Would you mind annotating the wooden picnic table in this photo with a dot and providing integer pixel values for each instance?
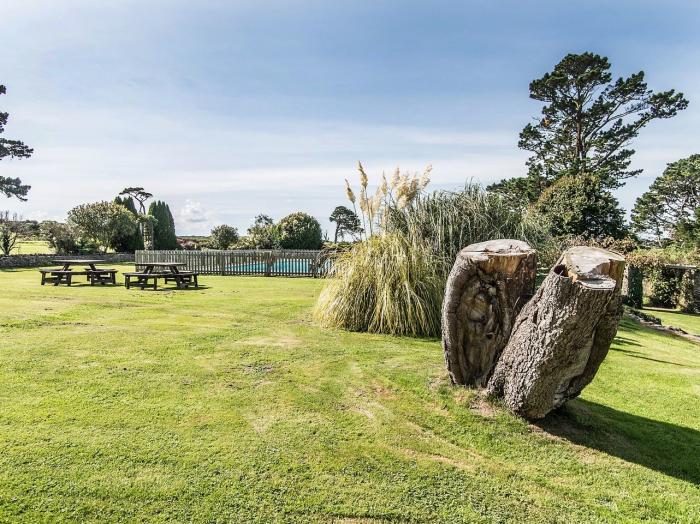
(65, 274)
(149, 267)
(68, 262)
(168, 271)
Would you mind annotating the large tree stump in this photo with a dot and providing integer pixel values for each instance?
(562, 335)
(489, 283)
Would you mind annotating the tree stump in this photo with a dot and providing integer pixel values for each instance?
(562, 335)
(489, 283)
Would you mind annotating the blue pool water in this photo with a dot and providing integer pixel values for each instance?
(280, 266)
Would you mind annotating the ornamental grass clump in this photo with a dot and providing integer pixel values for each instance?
(385, 284)
(394, 280)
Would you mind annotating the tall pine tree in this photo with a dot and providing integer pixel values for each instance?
(587, 124)
(164, 228)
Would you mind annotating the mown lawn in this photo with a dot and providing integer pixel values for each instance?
(229, 404)
(31, 247)
(669, 317)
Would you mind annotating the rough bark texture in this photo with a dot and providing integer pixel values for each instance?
(488, 285)
(562, 335)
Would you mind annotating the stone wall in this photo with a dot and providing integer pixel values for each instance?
(17, 261)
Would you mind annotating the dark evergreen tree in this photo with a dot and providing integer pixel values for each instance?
(164, 228)
(14, 149)
(134, 241)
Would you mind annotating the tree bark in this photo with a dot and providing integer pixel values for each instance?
(488, 285)
(562, 335)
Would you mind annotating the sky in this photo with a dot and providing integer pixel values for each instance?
(229, 109)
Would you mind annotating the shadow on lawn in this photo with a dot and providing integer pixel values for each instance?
(667, 448)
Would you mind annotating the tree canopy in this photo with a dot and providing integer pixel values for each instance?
(102, 222)
(223, 236)
(12, 187)
(264, 234)
(585, 129)
(346, 223)
(300, 231)
(577, 206)
(164, 236)
(671, 206)
(139, 195)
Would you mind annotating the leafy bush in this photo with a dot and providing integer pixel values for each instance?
(102, 223)
(223, 236)
(386, 284)
(128, 243)
(665, 286)
(263, 234)
(61, 238)
(300, 231)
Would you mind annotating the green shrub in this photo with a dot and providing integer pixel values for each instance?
(300, 231)
(386, 284)
(665, 286)
(223, 237)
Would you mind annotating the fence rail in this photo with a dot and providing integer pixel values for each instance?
(273, 262)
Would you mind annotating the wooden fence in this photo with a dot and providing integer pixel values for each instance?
(273, 262)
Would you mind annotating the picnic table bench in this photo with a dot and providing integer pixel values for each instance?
(94, 274)
(168, 271)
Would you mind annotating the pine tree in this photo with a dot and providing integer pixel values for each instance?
(164, 228)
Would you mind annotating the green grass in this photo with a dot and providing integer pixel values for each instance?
(229, 404)
(31, 247)
(669, 317)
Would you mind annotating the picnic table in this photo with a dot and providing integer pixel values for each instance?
(68, 262)
(168, 271)
(65, 274)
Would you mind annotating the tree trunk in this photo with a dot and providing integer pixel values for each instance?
(562, 335)
(487, 286)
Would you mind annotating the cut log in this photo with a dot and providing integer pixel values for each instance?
(562, 335)
(489, 283)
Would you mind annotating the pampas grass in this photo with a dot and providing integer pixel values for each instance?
(394, 282)
(385, 284)
(451, 220)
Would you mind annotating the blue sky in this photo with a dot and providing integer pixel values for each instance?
(227, 109)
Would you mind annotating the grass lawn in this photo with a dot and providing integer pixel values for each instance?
(669, 317)
(31, 247)
(227, 403)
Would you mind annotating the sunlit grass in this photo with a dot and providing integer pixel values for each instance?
(230, 404)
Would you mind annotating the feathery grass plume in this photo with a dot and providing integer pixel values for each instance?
(396, 178)
(349, 192)
(425, 177)
(385, 284)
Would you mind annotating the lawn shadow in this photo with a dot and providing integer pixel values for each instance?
(668, 448)
(168, 288)
(637, 354)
